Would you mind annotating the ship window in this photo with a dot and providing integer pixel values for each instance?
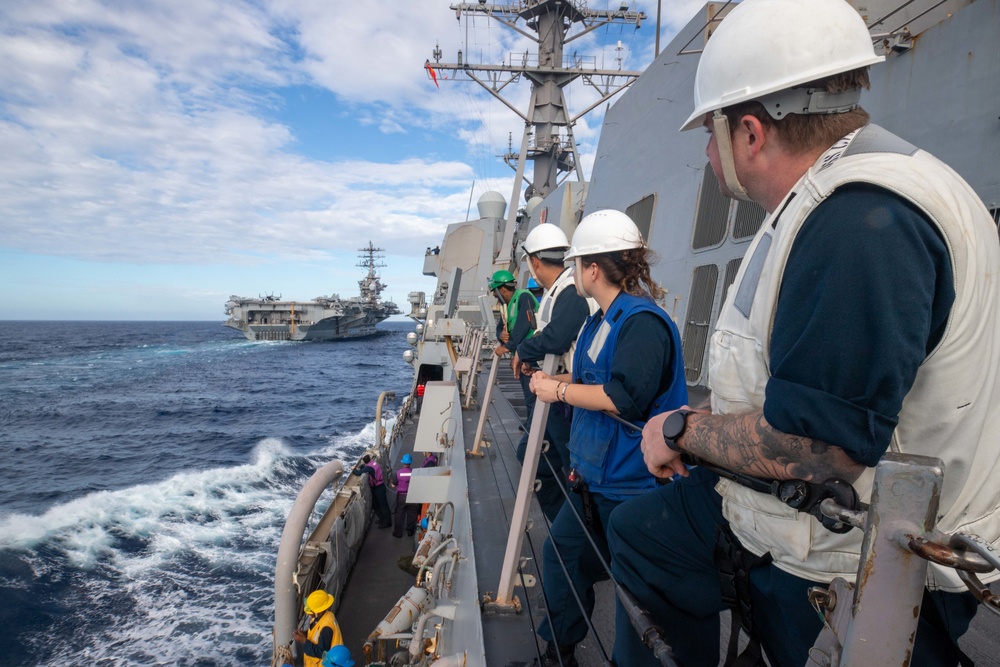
(641, 213)
(699, 319)
(712, 219)
(727, 281)
(749, 215)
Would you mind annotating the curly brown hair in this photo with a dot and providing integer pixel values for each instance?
(629, 269)
(814, 131)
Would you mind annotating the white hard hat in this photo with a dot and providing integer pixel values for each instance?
(604, 231)
(766, 46)
(545, 236)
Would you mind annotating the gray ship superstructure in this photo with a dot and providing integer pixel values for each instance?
(323, 318)
(475, 599)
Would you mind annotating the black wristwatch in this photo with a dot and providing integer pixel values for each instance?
(673, 428)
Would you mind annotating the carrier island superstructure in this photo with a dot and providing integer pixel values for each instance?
(323, 318)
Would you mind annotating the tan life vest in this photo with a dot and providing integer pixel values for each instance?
(547, 305)
(952, 411)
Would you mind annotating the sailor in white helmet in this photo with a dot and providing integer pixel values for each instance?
(629, 365)
(865, 317)
(560, 315)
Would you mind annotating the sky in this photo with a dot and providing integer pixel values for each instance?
(157, 157)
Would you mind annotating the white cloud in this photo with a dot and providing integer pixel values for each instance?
(131, 134)
(147, 132)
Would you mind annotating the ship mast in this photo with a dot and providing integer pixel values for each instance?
(548, 24)
(371, 285)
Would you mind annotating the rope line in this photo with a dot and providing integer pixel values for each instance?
(548, 528)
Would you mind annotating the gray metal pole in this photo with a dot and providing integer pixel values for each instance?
(379, 432)
(475, 353)
(484, 409)
(504, 257)
(887, 601)
(878, 626)
(515, 538)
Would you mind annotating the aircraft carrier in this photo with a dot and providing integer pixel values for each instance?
(323, 318)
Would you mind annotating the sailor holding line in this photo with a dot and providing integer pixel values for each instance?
(627, 362)
(560, 316)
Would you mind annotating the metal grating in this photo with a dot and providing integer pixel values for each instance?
(699, 319)
(727, 280)
(749, 216)
(712, 220)
(641, 213)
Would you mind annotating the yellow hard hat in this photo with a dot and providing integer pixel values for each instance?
(318, 602)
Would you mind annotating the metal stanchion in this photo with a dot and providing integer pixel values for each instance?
(515, 539)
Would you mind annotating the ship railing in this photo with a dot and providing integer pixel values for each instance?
(900, 539)
(575, 61)
(434, 614)
(520, 536)
(331, 547)
(405, 410)
(470, 363)
(298, 567)
(525, 489)
(380, 442)
(874, 620)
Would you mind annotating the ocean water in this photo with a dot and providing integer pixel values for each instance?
(147, 471)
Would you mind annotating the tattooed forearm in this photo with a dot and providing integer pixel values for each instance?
(747, 443)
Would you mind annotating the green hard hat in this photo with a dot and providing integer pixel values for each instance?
(501, 278)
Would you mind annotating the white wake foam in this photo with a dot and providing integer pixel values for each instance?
(179, 569)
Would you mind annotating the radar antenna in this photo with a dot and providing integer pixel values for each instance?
(548, 139)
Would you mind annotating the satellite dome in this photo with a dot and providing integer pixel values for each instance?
(492, 205)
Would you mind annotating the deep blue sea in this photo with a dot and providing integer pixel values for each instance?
(147, 471)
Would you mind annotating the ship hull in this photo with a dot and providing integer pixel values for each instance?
(328, 329)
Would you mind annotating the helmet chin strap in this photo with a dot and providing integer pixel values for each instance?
(531, 270)
(578, 277)
(725, 143)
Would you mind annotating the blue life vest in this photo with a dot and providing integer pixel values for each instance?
(603, 451)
